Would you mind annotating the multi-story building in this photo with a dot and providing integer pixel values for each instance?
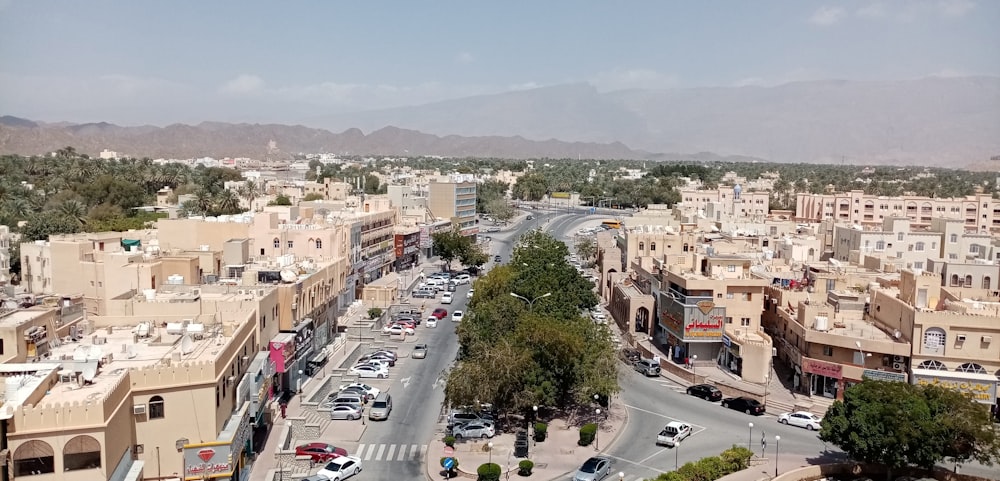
(980, 213)
(330, 189)
(455, 201)
(956, 339)
(730, 200)
(407, 246)
(6, 239)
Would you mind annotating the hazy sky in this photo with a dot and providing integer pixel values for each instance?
(158, 62)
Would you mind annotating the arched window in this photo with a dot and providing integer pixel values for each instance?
(652, 247)
(971, 367)
(954, 279)
(156, 410)
(685, 247)
(277, 243)
(932, 365)
(34, 457)
(642, 246)
(319, 243)
(81, 452)
(934, 339)
(968, 280)
(987, 282)
(642, 319)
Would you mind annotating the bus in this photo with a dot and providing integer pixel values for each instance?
(614, 224)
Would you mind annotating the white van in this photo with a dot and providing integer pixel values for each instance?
(446, 298)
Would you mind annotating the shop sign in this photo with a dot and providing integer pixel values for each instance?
(207, 461)
(304, 335)
(982, 391)
(726, 341)
(399, 244)
(282, 351)
(822, 368)
(876, 375)
(263, 392)
(425, 237)
(704, 319)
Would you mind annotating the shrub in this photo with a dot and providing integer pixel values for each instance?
(489, 472)
(736, 458)
(451, 472)
(524, 467)
(587, 433)
(449, 441)
(374, 313)
(541, 429)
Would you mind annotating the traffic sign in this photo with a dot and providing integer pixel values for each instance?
(449, 450)
(449, 463)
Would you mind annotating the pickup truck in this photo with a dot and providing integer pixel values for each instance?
(673, 433)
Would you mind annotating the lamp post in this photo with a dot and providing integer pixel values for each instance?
(694, 370)
(597, 434)
(298, 385)
(534, 419)
(750, 439)
(777, 439)
(864, 355)
(531, 302)
(621, 475)
(490, 445)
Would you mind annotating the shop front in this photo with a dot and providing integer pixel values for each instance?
(694, 326)
(262, 369)
(824, 378)
(407, 246)
(281, 351)
(304, 352)
(228, 458)
(729, 356)
(980, 387)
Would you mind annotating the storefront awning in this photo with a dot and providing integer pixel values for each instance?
(319, 359)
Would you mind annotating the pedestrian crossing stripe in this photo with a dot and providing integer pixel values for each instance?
(391, 452)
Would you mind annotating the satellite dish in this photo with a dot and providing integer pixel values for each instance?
(89, 373)
(187, 344)
(288, 276)
(896, 334)
(130, 353)
(80, 353)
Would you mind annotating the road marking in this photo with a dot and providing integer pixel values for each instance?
(381, 449)
(693, 426)
(402, 453)
(390, 452)
(371, 450)
(423, 451)
(414, 450)
(657, 470)
(405, 381)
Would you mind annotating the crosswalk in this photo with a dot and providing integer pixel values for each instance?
(391, 452)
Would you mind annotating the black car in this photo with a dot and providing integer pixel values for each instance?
(497, 258)
(707, 392)
(747, 405)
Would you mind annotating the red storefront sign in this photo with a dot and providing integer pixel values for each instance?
(822, 368)
(282, 351)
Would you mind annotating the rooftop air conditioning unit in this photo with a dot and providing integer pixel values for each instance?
(987, 339)
(139, 409)
(897, 358)
(960, 338)
(899, 366)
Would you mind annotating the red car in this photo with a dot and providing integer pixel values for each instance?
(440, 313)
(320, 452)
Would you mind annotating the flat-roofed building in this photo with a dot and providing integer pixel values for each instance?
(455, 201)
(978, 213)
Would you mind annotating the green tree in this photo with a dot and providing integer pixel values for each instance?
(500, 210)
(41, 226)
(899, 424)
(250, 191)
(489, 192)
(471, 255)
(313, 196)
(281, 199)
(449, 245)
(586, 248)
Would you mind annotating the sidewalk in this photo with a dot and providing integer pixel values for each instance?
(556, 458)
(764, 468)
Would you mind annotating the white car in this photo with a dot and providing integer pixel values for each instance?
(462, 279)
(801, 419)
(377, 364)
(673, 433)
(470, 293)
(457, 316)
(446, 298)
(341, 468)
(345, 412)
(397, 329)
(370, 371)
(431, 322)
(372, 392)
(474, 429)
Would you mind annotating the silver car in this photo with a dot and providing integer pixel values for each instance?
(595, 469)
(419, 351)
(345, 411)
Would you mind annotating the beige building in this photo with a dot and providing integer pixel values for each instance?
(732, 201)
(330, 189)
(956, 339)
(6, 241)
(978, 213)
(455, 201)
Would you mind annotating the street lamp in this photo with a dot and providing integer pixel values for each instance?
(750, 439)
(694, 370)
(490, 445)
(597, 434)
(777, 439)
(621, 475)
(298, 383)
(863, 354)
(531, 302)
(534, 419)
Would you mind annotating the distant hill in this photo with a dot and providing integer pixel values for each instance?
(930, 121)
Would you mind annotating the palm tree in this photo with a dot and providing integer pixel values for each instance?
(203, 199)
(250, 190)
(226, 202)
(75, 211)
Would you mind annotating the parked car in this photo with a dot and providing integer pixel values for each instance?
(419, 351)
(370, 391)
(424, 293)
(493, 229)
(459, 417)
(431, 321)
(446, 298)
(341, 468)
(745, 404)
(707, 392)
(347, 397)
(469, 294)
(345, 412)
(386, 352)
(369, 371)
(440, 313)
(315, 477)
(594, 469)
(497, 259)
(801, 419)
(673, 433)
(320, 452)
(397, 329)
(462, 279)
(357, 392)
(378, 357)
(647, 367)
(457, 316)
(474, 429)
(373, 362)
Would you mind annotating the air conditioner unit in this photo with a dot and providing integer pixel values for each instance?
(139, 409)
(987, 339)
(241, 292)
(899, 366)
(897, 358)
(960, 338)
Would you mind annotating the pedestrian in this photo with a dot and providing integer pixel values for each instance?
(284, 406)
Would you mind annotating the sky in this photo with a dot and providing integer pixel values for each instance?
(135, 62)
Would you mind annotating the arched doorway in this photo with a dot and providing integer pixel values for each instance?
(642, 320)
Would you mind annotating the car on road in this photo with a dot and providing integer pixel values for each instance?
(469, 294)
(369, 391)
(474, 429)
(397, 329)
(345, 412)
(745, 404)
(440, 313)
(673, 433)
(707, 392)
(462, 279)
(431, 321)
(425, 293)
(497, 259)
(493, 229)
(341, 468)
(647, 367)
(320, 452)
(419, 351)
(457, 316)
(594, 469)
(446, 298)
(801, 419)
(369, 371)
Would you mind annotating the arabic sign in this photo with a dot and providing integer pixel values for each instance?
(982, 391)
(822, 368)
(704, 320)
(217, 459)
(282, 349)
(877, 375)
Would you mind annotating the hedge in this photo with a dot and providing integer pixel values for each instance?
(587, 433)
(736, 458)
(489, 472)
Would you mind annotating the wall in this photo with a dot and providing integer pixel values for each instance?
(189, 234)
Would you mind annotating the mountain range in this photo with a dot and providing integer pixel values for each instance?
(931, 121)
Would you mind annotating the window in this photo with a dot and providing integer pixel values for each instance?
(828, 351)
(744, 321)
(953, 238)
(899, 236)
(34, 457)
(986, 285)
(879, 245)
(934, 245)
(918, 265)
(729, 320)
(277, 243)
(156, 408)
(968, 280)
(729, 295)
(217, 400)
(954, 279)
(934, 339)
(652, 246)
(932, 365)
(319, 243)
(971, 367)
(291, 244)
(642, 246)
(919, 246)
(81, 452)
(731, 268)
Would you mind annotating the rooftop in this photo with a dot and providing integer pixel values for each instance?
(17, 317)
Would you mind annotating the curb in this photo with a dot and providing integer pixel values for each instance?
(614, 440)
